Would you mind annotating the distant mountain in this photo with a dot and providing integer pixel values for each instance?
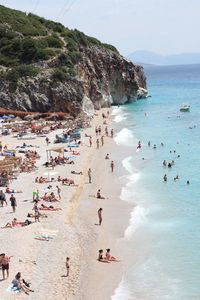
(148, 57)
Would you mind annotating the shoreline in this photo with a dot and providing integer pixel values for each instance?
(116, 217)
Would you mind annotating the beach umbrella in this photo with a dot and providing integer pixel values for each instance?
(11, 116)
(5, 117)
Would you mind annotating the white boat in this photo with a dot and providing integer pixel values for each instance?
(185, 108)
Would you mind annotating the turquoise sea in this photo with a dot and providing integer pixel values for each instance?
(161, 246)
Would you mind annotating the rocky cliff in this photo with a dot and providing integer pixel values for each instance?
(62, 70)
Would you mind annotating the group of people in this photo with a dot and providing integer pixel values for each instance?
(107, 258)
(170, 164)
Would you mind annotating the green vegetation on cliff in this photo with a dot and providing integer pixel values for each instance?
(30, 39)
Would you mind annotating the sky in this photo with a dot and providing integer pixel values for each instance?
(162, 26)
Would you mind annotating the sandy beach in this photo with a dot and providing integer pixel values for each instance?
(73, 231)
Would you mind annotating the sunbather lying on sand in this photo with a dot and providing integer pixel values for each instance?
(51, 208)
(77, 173)
(11, 191)
(75, 153)
(66, 181)
(16, 223)
(31, 215)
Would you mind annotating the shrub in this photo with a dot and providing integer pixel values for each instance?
(8, 61)
(42, 43)
(59, 74)
(93, 40)
(44, 54)
(54, 41)
(29, 50)
(27, 71)
(43, 80)
(110, 47)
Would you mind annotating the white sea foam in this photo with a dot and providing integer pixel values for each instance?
(120, 118)
(138, 217)
(126, 162)
(127, 192)
(122, 292)
(116, 111)
(124, 137)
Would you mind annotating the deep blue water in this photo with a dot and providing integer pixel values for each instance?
(162, 244)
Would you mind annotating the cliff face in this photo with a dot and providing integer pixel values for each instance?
(101, 77)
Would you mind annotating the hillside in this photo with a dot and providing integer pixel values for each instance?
(47, 67)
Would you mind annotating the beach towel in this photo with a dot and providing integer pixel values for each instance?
(43, 237)
(73, 146)
(70, 157)
(13, 288)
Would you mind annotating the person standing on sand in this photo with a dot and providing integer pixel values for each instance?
(102, 140)
(13, 203)
(3, 198)
(47, 141)
(90, 175)
(106, 131)
(36, 211)
(67, 266)
(96, 130)
(112, 166)
(97, 143)
(111, 133)
(58, 191)
(4, 263)
(100, 215)
(90, 141)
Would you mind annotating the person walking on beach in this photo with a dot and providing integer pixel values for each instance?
(67, 266)
(36, 211)
(96, 130)
(90, 175)
(106, 131)
(47, 141)
(3, 198)
(102, 140)
(90, 141)
(58, 191)
(100, 215)
(4, 263)
(97, 143)
(111, 133)
(112, 166)
(13, 203)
